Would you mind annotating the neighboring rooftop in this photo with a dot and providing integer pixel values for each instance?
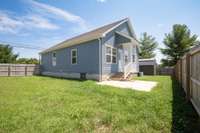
(148, 59)
(91, 35)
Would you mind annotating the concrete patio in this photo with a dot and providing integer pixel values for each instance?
(135, 84)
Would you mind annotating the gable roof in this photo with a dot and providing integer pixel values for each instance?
(91, 35)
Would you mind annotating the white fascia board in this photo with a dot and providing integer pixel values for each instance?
(109, 30)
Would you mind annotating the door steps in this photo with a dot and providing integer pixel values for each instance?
(120, 77)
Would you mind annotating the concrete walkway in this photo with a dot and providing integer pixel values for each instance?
(135, 85)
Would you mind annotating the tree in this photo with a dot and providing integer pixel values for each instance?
(27, 61)
(177, 43)
(6, 54)
(147, 46)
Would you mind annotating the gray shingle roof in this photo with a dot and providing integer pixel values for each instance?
(91, 35)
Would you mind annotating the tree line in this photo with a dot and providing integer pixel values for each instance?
(7, 56)
(177, 43)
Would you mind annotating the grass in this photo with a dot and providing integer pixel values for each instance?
(43, 104)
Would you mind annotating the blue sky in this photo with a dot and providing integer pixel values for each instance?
(44, 23)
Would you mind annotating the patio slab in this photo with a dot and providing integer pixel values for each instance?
(135, 84)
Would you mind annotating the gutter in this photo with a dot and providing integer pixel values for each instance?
(39, 59)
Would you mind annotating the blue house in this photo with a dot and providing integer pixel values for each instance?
(99, 54)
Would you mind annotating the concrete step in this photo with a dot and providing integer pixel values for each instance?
(120, 77)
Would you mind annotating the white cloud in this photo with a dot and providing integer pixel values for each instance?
(102, 1)
(12, 24)
(39, 22)
(40, 17)
(8, 24)
(160, 25)
(67, 16)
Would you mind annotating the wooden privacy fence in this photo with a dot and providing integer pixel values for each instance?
(187, 72)
(19, 69)
(166, 71)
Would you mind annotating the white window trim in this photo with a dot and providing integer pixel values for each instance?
(54, 60)
(108, 54)
(111, 54)
(72, 50)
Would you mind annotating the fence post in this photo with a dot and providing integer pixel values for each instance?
(9, 70)
(181, 75)
(25, 70)
(179, 72)
(175, 70)
(188, 62)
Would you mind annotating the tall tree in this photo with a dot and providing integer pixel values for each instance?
(148, 45)
(177, 43)
(6, 54)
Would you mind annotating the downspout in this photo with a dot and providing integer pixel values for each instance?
(100, 59)
(39, 59)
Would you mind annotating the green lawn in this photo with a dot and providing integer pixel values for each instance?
(43, 104)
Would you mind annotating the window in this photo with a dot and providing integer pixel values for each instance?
(133, 58)
(114, 55)
(111, 55)
(54, 59)
(108, 54)
(74, 56)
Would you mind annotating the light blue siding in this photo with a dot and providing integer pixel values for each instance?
(111, 39)
(87, 59)
(88, 55)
